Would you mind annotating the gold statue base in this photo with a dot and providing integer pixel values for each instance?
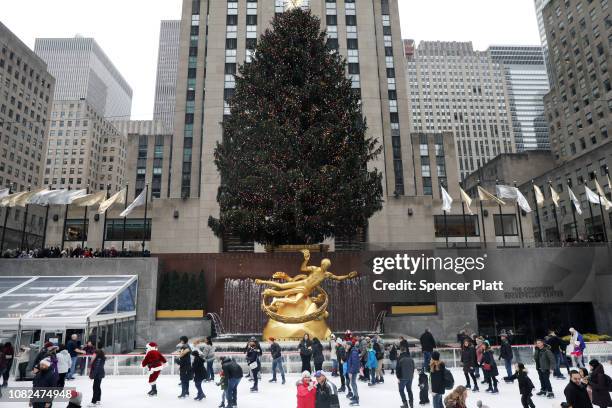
(295, 331)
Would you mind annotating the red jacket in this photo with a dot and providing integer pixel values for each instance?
(154, 360)
(306, 397)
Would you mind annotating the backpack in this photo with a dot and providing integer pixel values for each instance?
(449, 380)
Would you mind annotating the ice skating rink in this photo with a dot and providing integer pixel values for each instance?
(130, 392)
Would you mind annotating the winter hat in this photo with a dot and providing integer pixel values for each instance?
(76, 397)
(318, 374)
(151, 346)
(271, 338)
(48, 344)
(305, 374)
(435, 356)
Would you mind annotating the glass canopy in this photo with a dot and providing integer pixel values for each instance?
(65, 301)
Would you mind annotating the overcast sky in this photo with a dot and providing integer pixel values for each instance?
(128, 30)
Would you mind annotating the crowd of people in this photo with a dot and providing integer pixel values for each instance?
(69, 252)
(356, 361)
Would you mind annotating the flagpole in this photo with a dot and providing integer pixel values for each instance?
(64, 227)
(84, 222)
(464, 223)
(25, 220)
(501, 219)
(484, 231)
(520, 222)
(144, 224)
(6, 214)
(592, 217)
(603, 218)
(555, 213)
(127, 190)
(104, 227)
(537, 213)
(573, 212)
(445, 228)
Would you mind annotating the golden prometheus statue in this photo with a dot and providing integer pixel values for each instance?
(289, 4)
(293, 306)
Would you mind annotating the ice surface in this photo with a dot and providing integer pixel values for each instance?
(130, 392)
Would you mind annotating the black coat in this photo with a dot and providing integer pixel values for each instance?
(556, 344)
(404, 344)
(275, 350)
(577, 396)
(488, 358)
(601, 394)
(437, 380)
(252, 356)
(184, 362)
(505, 351)
(327, 396)
(524, 382)
(393, 353)
(231, 369)
(468, 357)
(198, 367)
(405, 367)
(44, 379)
(317, 352)
(305, 348)
(97, 368)
(428, 343)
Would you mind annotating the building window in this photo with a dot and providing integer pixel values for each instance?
(76, 230)
(456, 226)
(509, 225)
(133, 229)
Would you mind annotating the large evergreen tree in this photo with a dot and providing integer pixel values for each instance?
(293, 159)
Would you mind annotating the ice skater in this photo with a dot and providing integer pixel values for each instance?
(155, 362)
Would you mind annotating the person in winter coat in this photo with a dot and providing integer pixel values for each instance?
(577, 355)
(63, 365)
(277, 360)
(599, 384)
(317, 354)
(306, 391)
(23, 359)
(210, 359)
(428, 343)
(305, 348)
(233, 372)
(371, 364)
(353, 364)
(44, 378)
(380, 356)
(184, 363)
(557, 346)
(577, 337)
(333, 356)
(506, 354)
(403, 343)
(97, 373)
(436, 374)
(480, 346)
(545, 364)
(405, 375)
(199, 373)
(75, 400)
(457, 398)
(584, 375)
(469, 362)
(423, 388)
(252, 358)
(490, 368)
(8, 354)
(525, 385)
(575, 392)
(327, 394)
(393, 358)
(341, 354)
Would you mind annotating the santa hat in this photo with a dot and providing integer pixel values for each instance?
(151, 346)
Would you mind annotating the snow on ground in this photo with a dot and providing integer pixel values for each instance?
(130, 392)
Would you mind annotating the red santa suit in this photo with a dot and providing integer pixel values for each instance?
(154, 361)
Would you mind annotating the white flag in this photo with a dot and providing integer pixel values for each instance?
(117, 198)
(538, 196)
(555, 196)
(594, 198)
(90, 199)
(39, 198)
(447, 200)
(24, 199)
(467, 200)
(9, 200)
(4, 192)
(484, 195)
(140, 200)
(575, 201)
(66, 197)
(604, 200)
(513, 193)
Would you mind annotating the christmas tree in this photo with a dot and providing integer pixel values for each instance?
(294, 155)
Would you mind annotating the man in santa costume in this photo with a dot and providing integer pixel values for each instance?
(154, 361)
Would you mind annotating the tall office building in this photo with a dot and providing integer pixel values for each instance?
(84, 149)
(527, 82)
(26, 94)
(83, 71)
(167, 66)
(539, 6)
(579, 105)
(454, 88)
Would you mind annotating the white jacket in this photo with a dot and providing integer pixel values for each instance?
(63, 361)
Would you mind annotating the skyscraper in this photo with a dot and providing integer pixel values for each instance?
(167, 66)
(454, 88)
(527, 84)
(83, 71)
(539, 6)
(26, 93)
